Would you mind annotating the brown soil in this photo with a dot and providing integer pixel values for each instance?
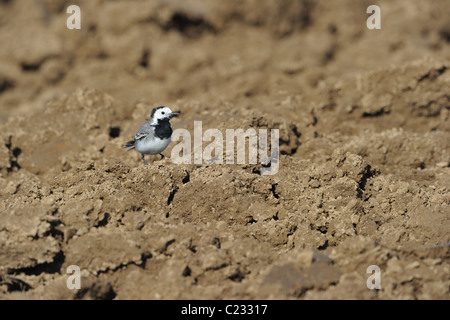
(364, 167)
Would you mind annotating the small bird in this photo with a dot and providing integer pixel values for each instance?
(154, 136)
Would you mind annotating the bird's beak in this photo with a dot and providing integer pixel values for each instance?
(174, 114)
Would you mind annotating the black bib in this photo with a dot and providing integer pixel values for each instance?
(163, 130)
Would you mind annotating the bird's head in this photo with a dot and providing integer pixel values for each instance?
(162, 113)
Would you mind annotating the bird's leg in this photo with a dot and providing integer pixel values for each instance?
(162, 156)
(142, 156)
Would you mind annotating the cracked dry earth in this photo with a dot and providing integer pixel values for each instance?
(364, 164)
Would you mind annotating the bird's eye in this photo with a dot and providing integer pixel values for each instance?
(163, 112)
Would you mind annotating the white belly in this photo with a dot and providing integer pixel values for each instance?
(153, 146)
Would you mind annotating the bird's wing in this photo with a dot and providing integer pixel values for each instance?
(145, 130)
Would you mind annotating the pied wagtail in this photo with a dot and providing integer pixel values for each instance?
(154, 136)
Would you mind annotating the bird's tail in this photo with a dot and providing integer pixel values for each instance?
(129, 145)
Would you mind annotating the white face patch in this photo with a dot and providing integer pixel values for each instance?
(162, 113)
